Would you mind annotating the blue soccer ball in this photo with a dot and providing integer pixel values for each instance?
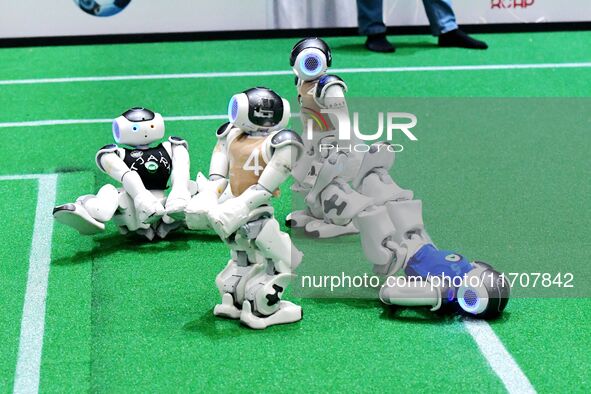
(102, 7)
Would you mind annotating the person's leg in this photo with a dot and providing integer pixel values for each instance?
(371, 24)
(441, 16)
(370, 17)
(443, 25)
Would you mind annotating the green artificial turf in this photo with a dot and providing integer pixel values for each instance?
(125, 315)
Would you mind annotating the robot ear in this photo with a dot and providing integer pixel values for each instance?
(116, 130)
(238, 111)
(286, 115)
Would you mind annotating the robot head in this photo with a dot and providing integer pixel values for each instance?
(138, 126)
(484, 293)
(258, 109)
(310, 58)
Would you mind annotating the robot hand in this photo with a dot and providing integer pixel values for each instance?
(197, 210)
(149, 210)
(229, 216)
(175, 204)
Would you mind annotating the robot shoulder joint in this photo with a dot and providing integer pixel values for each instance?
(287, 137)
(178, 141)
(110, 148)
(224, 130)
(326, 81)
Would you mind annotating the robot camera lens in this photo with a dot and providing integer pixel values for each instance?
(311, 64)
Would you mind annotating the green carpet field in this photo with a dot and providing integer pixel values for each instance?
(126, 315)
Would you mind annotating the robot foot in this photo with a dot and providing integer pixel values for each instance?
(298, 219)
(164, 229)
(227, 308)
(320, 229)
(288, 312)
(149, 233)
(77, 217)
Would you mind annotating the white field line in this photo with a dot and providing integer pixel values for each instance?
(499, 359)
(482, 67)
(56, 122)
(26, 379)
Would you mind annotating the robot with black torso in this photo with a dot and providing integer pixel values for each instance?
(145, 171)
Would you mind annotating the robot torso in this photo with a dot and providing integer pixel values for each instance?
(247, 159)
(311, 109)
(153, 165)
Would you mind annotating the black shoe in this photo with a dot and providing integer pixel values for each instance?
(379, 43)
(459, 39)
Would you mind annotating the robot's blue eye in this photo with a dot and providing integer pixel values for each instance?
(116, 132)
(311, 64)
(135, 128)
(233, 109)
(470, 298)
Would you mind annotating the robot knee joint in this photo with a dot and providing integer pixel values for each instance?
(265, 292)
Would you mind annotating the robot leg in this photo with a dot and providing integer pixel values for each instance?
(89, 213)
(373, 178)
(340, 204)
(304, 173)
(376, 233)
(263, 306)
(299, 219)
(407, 217)
(127, 218)
(392, 234)
(392, 229)
(231, 283)
(327, 225)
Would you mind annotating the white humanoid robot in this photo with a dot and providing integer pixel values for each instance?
(254, 155)
(344, 188)
(145, 172)
(323, 107)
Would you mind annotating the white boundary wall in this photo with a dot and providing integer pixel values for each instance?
(46, 18)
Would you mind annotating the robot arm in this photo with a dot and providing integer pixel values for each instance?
(179, 194)
(147, 206)
(333, 96)
(331, 87)
(219, 165)
(197, 210)
(330, 96)
(285, 148)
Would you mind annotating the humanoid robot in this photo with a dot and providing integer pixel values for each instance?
(317, 93)
(144, 171)
(389, 220)
(254, 154)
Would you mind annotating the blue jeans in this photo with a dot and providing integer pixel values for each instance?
(370, 15)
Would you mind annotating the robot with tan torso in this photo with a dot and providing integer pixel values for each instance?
(323, 110)
(253, 157)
